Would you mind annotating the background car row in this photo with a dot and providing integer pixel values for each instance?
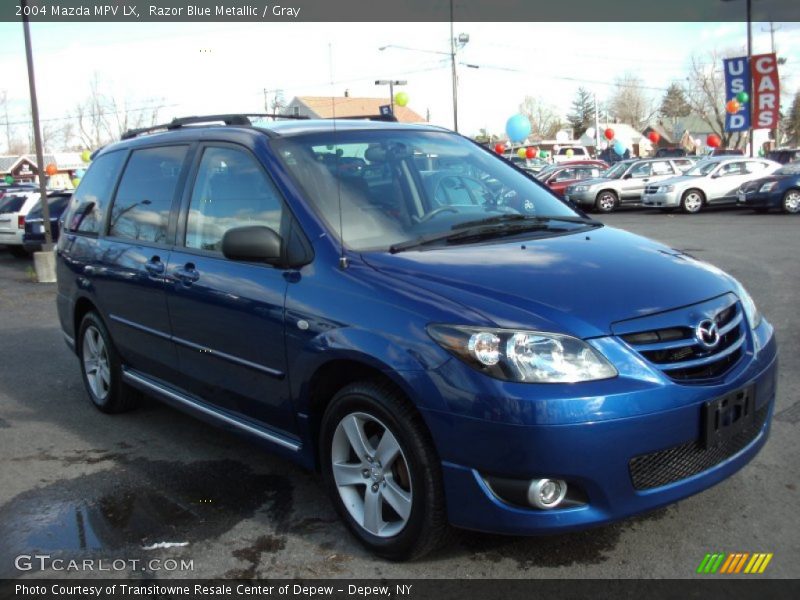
(681, 183)
(21, 221)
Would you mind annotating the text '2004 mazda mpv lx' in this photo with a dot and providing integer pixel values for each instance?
(439, 335)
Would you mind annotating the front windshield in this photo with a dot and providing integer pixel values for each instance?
(395, 186)
(616, 171)
(704, 167)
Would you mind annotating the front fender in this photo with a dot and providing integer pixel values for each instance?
(403, 361)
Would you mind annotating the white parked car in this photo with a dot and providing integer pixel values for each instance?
(578, 153)
(713, 181)
(14, 207)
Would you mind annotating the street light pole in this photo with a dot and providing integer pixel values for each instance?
(391, 83)
(453, 69)
(749, 54)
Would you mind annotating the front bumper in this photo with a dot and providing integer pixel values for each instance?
(586, 198)
(592, 455)
(758, 199)
(663, 199)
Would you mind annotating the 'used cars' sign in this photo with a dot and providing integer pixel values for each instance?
(766, 88)
(737, 80)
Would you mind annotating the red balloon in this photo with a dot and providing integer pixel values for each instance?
(654, 136)
(51, 169)
(609, 133)
(713, 140)
(499, 148)
(530, 152)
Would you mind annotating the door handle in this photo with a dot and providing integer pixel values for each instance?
(154, 266)
(188, 274)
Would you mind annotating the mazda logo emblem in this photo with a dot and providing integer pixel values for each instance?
(707, 333)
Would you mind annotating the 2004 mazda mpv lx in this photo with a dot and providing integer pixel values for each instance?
(439, 335)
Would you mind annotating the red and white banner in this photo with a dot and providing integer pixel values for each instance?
(766, 91)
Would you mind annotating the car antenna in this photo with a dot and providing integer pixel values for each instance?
(342, 256)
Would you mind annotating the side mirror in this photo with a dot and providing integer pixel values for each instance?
(627, 176)
(253, 242)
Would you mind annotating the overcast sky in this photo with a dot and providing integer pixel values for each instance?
(224, 67)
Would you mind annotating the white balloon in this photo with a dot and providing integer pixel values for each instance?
(562, 136)
(589, 132)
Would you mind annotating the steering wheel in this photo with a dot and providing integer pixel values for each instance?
(438, 211)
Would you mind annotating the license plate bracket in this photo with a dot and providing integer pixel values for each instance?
(727, 415)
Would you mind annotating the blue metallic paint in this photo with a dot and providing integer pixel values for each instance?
(376, 312)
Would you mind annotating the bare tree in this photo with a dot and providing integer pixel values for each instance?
(543, 117)
(705, 93)
(629, 103)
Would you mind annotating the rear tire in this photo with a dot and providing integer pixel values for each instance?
(692, 201)
(399, 513)
(606, 201)
(101, 368)
(791, 202)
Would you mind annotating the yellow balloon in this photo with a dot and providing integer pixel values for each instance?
(521, 152)
(76, 181)
(570, 152)
(86, 156)
(401, 98)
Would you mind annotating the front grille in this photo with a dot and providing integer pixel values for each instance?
(679, 462)
(651, 189)
(678, 352)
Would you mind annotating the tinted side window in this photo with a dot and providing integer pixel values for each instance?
(144, 198)
(89, 202)
(231, 190)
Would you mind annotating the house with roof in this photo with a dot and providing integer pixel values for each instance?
(23, 168)
(326, 107)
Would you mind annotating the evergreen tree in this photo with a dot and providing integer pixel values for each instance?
(582, 115)
(674, 103)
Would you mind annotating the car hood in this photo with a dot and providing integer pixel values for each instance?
(578, 283)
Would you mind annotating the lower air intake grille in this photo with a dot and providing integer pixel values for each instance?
(679, 462)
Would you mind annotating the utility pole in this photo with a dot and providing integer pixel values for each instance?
(749, 55)
(453, 68)
(37, 135)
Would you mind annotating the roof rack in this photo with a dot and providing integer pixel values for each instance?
(235, 119)
(231, 119)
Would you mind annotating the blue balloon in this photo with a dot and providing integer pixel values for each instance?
(80, 173)
(619, 147)
(518, 128)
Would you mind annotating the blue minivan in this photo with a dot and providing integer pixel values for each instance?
(446, 341)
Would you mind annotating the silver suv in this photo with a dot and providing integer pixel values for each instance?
(624, 183)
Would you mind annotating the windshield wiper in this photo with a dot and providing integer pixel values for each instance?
(517, 218)
(499, 226)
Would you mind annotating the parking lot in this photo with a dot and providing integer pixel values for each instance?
(75, 483)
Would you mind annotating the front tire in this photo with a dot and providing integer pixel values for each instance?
(692, 201)
(101, 368)
(381, 471)
(791, 202)
(606, 201)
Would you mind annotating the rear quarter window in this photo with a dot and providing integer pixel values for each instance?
(89, 202)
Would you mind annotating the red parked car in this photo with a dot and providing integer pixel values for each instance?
(559, 176)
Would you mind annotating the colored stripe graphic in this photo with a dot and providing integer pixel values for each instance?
(733, 563)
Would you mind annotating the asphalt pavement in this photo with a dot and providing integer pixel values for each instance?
(77, 484)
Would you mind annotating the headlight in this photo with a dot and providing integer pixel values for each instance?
(750, 310)
(580, 188)
(525, 356)
(768, 187)
(665, 188)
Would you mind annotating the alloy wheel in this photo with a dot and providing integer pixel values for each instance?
(791, 202)
(693, 202)
(371, 474)
(606, 202)
(96, 364)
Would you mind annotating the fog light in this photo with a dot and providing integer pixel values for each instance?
(546, 493)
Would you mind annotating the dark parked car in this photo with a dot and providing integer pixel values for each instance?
(33, 238)
(780, 190)
(670, 152)
(727, 152)
(565, 174)
(785, 155)
(519, 371)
